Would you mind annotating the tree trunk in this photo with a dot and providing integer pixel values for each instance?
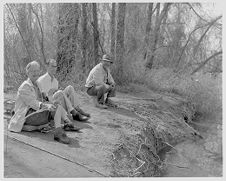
(67, 37)
(159, 18)
(120, 42)
(84, 35)
(148, 28)
(113, 31)
(20, 30)
(30, 34)
(95, 32)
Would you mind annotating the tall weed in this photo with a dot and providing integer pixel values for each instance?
(203, 90)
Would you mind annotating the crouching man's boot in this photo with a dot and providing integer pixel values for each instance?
(97, 104)
(60, 136)
(78, 116)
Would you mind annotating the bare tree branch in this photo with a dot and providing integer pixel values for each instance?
(200, 40)
(189, 37)
(42, 34)
(197, 13)
(191, 7)
(204, 63)
(24, 42)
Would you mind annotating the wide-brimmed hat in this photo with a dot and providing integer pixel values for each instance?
(107, 58)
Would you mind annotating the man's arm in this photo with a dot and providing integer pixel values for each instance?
(27, 95)
(110, 78)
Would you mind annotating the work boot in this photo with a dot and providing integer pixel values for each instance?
(77, 116)
(110, 103)
(60, 136)
(98, 105)
(82, 112)
(70, 127)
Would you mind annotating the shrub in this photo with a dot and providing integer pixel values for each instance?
(203, 90)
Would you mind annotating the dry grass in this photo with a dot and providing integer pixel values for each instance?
(203, 90)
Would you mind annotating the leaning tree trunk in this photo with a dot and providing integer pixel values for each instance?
(159, 18)
(84, 35)
(95, 33)
(113, 31)
(120, 42)
(148, 28)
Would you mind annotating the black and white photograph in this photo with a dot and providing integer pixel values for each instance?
(112, 89)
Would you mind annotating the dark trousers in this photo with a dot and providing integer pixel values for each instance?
(99, 91)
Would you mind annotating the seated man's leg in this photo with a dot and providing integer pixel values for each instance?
(61, 97)
(64, 102)
(59, 134)
(71, 96)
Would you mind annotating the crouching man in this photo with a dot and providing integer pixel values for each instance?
(49, 87)
(100, 82)
(31, 113)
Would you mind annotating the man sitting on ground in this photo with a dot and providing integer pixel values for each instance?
(100, 82)
(28, 103)
(49, 87)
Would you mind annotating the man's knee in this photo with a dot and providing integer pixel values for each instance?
(102, 89)
(70, 89)
(58, 94)
(60, 108)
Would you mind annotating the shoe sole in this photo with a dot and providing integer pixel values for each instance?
(60, 141)
(101, 107)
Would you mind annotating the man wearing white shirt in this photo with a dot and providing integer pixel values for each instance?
(29, 108)
(49, 87)
(101, 82)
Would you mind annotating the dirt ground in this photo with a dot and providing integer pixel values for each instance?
(92, 150)
(22, 161)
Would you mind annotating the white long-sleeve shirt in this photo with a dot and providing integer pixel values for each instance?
(98, 76)
(46, 83)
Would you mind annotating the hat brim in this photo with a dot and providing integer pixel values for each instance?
(107, 60)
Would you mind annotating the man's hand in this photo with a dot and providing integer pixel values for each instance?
(112, 86)
(44, 96)
(48, 106)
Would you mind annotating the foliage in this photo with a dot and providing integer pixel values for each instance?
(184, 39)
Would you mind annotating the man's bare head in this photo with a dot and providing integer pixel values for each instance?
(33, 70)
(51, 66)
